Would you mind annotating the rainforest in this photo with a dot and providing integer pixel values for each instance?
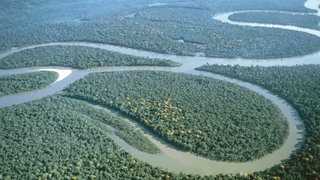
(160, 89)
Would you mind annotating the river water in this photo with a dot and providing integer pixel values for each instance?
(169, 157)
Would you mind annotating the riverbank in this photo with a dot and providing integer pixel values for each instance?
(63, 73)
(314, 5)
(171, 158)
(184, 161)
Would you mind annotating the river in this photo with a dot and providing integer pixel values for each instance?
(169, 157)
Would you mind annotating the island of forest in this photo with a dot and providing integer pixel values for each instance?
(25, 82)
(82, 132)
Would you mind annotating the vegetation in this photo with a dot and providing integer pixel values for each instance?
(19, 83)
(300, 85)
(307, 21)
(208, 117)
(192, 22)
(76, 57)
(39, 143)
(122, 129)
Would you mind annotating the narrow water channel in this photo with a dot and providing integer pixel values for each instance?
(169, 157)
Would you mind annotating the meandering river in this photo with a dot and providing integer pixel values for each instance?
(169, 157)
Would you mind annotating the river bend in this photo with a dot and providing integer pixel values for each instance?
(169, 157)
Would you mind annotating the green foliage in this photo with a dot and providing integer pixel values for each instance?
(59, 138)
(122, 128)
(36, 141)
(202, 35)
(158, 29)
(307, 21)
(76, 57)
(208, 117)
(19, 83)
(300, 85)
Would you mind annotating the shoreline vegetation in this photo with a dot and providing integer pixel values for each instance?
(300, 86)
(182, 109)
(152, 30)
(75, 143)
(76, 57)
(281, 170)
(19, 83)
(282, 18)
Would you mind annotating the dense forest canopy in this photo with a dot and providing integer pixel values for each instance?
(307, 21)
(38, 142)
(300, 85)
(208, 117)
(26, 23)
(69, 135)
(76, 57)
(19, 83)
